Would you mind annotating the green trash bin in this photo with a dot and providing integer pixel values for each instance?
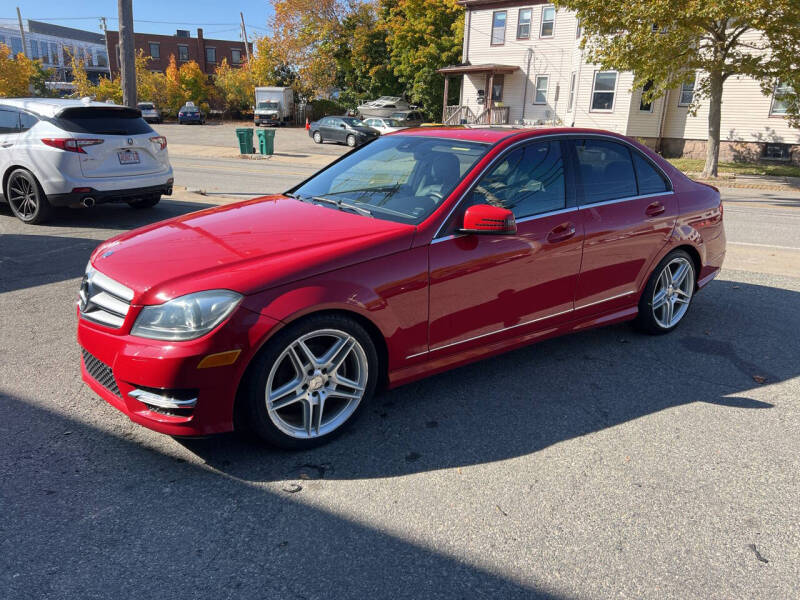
(245, 137)
(266, 141)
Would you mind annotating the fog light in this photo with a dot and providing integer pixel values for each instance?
(169, 399)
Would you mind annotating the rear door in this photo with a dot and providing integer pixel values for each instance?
(628, 211)
(9, 132)
(126, 148)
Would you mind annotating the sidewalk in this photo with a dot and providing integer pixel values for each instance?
(751, 182)
(195, 150)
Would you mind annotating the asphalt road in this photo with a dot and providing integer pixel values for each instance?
(604, 464)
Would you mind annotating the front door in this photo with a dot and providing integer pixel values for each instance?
(628, 211)
(486, 287)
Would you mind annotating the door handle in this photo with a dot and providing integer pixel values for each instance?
(656, 208)
(561, 233)
(6, 144)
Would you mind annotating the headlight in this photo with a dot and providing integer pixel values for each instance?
(187, 317)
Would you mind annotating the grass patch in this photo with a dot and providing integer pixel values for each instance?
(695, 165)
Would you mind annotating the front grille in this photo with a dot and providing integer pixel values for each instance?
(104, 300)
(100, 372)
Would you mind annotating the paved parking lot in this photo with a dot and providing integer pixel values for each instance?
(605, 464)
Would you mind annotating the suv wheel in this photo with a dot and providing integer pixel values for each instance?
(145, 202)
(26, 197)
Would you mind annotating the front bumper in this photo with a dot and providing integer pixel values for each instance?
(128, 363)
(104, 196)
(265, 120)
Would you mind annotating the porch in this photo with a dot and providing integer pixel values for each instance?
(490, 109)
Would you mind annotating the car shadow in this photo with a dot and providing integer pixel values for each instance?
(521, 402)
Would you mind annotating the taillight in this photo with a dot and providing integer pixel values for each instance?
(71, 144)
(160, 140)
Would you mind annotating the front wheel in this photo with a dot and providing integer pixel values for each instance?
(317, 137)
(351, 141)
(311, 381)
(668, 294)
(26, 198)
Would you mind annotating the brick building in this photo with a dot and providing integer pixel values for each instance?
(208, 53)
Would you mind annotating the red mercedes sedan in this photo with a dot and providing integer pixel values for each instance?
(416, 253)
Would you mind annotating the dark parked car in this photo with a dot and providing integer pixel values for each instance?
(189, 113)
(347, 130)
(408, 118)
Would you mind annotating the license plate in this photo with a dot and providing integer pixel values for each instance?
(128, 157)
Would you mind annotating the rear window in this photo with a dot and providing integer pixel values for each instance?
(145, 106)
(103, 121)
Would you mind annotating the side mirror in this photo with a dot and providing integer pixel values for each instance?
(343, 126)
(485, 218)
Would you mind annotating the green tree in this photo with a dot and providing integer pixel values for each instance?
(423, 36)
(15, 73)
(668, 41)
(234, 86)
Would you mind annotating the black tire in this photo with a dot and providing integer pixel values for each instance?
(317, 137)
(351, 141)
(253, 388)
(26, 198)
(140, 203)
(647, 320)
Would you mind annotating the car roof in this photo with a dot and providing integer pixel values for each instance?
(493, 135)
(51, 107)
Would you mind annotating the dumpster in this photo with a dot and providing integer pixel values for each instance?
(266, 141)
(245, 137)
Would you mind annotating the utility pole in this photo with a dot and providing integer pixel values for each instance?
(127, 66)
(108, 50)
(244, 33)
(22, 33)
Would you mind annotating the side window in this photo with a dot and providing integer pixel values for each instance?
(650, 180)
(529, 181)
(9, 121)
(605, 170)
(26, 121)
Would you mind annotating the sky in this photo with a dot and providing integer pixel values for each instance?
(215, 17)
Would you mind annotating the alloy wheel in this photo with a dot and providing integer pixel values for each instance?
(23, 197)
(673, 292)
(317, 137)
(351, 141)
(316, 384)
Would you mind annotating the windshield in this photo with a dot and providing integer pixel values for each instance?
(397, 178)
(353, 122)
(268, 105)
(398, 115)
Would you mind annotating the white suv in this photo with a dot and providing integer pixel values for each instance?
(56, 152)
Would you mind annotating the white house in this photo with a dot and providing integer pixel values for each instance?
(528, 55)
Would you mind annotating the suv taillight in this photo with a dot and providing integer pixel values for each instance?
(160, 140)
(71, 144)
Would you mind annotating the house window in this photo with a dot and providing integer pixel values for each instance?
(524, 24)
(498, 28)
(605, 84)
(646, 106)
(571, 92)
(211, 55)
(155, 50)
(777, 152)
(497, 88)
(236, 57)
(548, 21)
(687, 93)
(540, 97)
(781, 99)
(183, 52)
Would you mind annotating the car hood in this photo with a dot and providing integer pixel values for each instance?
(246, 247)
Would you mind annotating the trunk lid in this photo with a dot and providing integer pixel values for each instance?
(122, 156)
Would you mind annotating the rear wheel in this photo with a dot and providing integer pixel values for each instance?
(145, 202)
(26, 198)
(668, 294)
(311, 381)
(317, 137)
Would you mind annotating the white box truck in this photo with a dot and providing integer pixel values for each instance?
(274, 106)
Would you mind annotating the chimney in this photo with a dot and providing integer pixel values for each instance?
(199, 33)
(201, 51)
